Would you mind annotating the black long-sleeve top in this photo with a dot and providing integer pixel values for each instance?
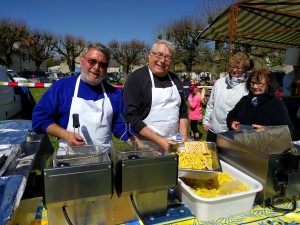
(269, 111)
(138, 95)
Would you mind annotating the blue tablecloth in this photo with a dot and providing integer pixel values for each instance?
(9, 195)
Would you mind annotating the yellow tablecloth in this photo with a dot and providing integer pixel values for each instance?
(181, 215)
(261, 215)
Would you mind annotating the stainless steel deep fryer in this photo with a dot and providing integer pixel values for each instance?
(268, 156)
(144, 174)
(80, 174)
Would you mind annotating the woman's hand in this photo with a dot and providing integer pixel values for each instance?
(205, 128)
(235, 125)
(258, 127)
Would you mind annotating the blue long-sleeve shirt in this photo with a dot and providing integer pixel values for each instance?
(55, 105)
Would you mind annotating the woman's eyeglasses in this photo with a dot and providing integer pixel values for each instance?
(258, 84)
(236, 69)
(93, 62)
(159, 56)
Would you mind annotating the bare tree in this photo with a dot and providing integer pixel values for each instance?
(262, 56)
(128, 54)
(11, 32)
(39, 45)
(212, 9)
(182, 33)
(69, 47)
(208, 13)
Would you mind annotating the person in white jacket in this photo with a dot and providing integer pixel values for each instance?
(226, 92)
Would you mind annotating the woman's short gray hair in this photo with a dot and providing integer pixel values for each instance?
(241, 59)
(99, 47)
(169, 45)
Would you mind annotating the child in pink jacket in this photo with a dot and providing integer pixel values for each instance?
(195, 112)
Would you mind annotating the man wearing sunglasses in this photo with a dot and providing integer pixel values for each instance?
(154, 98)
(98, 105)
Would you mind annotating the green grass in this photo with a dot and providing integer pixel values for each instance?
(38, 92)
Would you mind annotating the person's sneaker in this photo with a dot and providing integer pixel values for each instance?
(191, 138)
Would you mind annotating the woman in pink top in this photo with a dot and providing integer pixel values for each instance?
(195, 112)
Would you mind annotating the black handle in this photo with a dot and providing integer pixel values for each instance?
(76, 123)
(294, 206)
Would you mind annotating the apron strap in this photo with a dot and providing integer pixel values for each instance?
(152, 80)
(104, 91)
(76, 86)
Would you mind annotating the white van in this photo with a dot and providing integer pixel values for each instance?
(16, 77)
(10, 102)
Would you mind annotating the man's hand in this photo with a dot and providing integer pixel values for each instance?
(165, 143)
(135, 142)
(75, 139)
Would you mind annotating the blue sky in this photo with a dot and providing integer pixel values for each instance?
(99, 20)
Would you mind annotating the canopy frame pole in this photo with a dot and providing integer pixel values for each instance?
(232, 26)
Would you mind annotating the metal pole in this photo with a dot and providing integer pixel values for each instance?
(233, 20)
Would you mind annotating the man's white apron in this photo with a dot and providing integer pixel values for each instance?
(163, 118)
(95, 118)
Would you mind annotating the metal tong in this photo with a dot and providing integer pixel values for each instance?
(127, 125)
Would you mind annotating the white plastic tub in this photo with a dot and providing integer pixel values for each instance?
(213, 208)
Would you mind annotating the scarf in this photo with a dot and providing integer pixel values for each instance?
(234, 81)
(258, 100)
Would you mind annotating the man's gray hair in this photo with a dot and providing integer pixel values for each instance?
(169, 45)
(99, 47)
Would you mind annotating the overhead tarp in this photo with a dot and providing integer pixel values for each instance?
(265, 23)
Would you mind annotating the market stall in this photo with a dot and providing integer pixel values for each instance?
(270, 24)
(138, 186)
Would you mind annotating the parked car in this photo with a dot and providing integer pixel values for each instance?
(77, 69)
(54, 76)
(70, 74)
(16, 77)
(10, 102)
(110, 77)
(34, 76)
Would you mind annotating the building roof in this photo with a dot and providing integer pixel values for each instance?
(265, 23)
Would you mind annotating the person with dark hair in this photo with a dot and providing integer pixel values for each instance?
(195, 113)
(260, 107)
(186, 85)
(98, 104)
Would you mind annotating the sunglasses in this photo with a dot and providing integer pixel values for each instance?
(93, 62)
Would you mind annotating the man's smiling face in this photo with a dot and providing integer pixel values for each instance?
(160, 60)
(93, 66)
